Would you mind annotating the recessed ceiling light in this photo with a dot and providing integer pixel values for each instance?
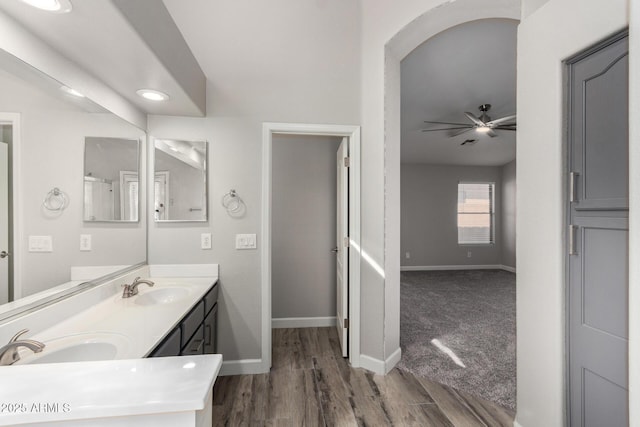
(71, 91)
(57, 6)
(152, 95)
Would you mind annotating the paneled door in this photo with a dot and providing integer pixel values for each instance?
(342, 246)
(598, 260)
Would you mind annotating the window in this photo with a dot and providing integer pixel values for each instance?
(476, 213)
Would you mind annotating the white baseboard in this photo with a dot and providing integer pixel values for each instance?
(242, 367)
(372, 364)
(392, 360)
(508, 268)
(456, 267)
(303, 322)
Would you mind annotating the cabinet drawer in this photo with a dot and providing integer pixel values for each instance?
(211, 298)
(210, 331)
(191, 322)
(195, 344)
(169, 347)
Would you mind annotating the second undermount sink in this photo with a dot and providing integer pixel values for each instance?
(79, 348)
(161, 296)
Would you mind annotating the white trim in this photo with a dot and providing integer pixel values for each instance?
(392, 360)
(242, 367)
(508, 268)
(381, 367)
(353, 133)
(372, 364)
(303, 322)
(456, 267)
(16, 191)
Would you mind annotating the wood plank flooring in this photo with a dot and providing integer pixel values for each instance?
(310, 384)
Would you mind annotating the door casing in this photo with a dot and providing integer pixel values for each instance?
(353, 133)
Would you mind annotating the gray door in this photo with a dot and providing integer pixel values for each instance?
(598, 236)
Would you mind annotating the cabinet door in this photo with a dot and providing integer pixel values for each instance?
(169, 347)
(192, 322)
(195, 344)
(210, 331)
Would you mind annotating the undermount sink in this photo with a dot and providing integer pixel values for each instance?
(78, 348)
(161, 296)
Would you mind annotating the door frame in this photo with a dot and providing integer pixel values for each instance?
(15, 207)
(353, 133)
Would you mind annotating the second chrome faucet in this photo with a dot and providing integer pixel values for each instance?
(132, 289)
(9, 352)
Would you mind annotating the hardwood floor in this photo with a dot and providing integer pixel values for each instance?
(310, 384)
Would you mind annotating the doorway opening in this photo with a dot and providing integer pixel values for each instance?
(9, 217)
(349, 138)
(457, 209)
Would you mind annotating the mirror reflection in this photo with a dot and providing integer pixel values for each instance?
(111, 177)
(180, 180)
(42, 134)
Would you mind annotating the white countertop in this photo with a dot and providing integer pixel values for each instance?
(85, 390)
(125, 385)
(142, 327)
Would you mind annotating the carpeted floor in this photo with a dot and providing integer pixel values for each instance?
(451, 319)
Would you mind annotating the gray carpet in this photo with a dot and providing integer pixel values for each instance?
(471, 313)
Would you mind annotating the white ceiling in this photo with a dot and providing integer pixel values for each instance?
(96, 36)
(453, 72)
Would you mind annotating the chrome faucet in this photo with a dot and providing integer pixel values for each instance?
(132, 289)
(9, 353)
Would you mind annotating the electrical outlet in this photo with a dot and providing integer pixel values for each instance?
(407, 255)
(85, 242)
(205, 240)
(468, 254)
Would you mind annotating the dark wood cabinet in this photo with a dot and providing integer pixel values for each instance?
(196, 333)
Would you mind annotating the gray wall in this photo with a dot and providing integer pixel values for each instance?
(303, 226)
(429, 232)
(509, 214)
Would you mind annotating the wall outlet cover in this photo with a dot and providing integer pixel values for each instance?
(85, 242)
(205, 241)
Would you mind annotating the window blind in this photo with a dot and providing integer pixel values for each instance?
(476, 213)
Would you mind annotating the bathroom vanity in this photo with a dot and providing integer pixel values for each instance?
(106, 377)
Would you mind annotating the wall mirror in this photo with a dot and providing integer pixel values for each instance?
(180, 180)
(111, 179)
(52, 251)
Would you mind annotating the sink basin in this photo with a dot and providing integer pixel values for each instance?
(161, 296)
(78, 348)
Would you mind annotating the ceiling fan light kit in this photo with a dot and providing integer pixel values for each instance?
(481, 124)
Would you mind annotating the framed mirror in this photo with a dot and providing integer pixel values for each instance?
(111, 179)
(180, 180)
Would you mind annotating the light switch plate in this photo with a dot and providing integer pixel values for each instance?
(246, 241)
(40, 244)
(205, 241)
(85, 242)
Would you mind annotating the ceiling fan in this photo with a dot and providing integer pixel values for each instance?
(481, 124)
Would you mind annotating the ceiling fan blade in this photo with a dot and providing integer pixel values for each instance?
(505, 119)
(460, 132)
(455, 128)
(491, 133)
(446, 123)
(474, 119)
(504, 127)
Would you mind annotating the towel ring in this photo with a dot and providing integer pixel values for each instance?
(232, 202)
(55, 200)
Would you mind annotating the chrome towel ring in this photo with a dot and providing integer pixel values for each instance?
(232, 202)
(55, 200)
